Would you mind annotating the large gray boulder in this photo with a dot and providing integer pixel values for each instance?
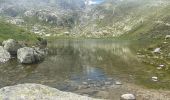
(11, 46)
(29, 55)
(37, 92)
(4, 55)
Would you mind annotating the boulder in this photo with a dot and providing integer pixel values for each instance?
(128, 97)
(37, 92)
(4, 55)
(29, 55)
(11, 46)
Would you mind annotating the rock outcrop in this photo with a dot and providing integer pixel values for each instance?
(4, 55)
(37, 92)
(29, 55)
(11, 46)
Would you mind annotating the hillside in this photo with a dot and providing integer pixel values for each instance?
(11, 31)
(134, 19)
(114, 18)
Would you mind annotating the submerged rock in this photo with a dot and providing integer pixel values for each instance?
(11, 46)
(4, 55)
(128, 97)
(29, 55)
(37, 92)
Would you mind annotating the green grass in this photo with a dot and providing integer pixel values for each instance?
(12, 31)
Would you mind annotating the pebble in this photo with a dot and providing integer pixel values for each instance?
(128, 97)
(118, 83)
(157, 50)
(154, 78)
(89, 79)
(161, 65)
(108, 83)
(85, 83)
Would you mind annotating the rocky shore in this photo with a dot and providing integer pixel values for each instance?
(37, 92)
(32, 91)
(25, 55)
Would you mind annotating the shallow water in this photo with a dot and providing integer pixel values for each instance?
(78, 61)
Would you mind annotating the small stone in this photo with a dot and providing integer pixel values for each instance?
(154, 78)
(108, 83)
(128, 97)
(85, 83)
(89, 79)
(157, 50)
(118, 83)
(161, 65)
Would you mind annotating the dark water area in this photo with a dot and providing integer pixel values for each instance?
(76, 62)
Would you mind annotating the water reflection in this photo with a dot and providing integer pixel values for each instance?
(76, 60)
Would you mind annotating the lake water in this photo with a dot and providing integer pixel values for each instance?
(78, 61)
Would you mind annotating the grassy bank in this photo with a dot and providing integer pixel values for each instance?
(12, 31)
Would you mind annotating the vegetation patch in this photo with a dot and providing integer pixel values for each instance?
(12, 31)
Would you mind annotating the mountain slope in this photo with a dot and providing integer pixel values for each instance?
(114, 18)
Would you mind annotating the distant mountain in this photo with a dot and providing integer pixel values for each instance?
(56, 12)
(87, 18)
(68, 4)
